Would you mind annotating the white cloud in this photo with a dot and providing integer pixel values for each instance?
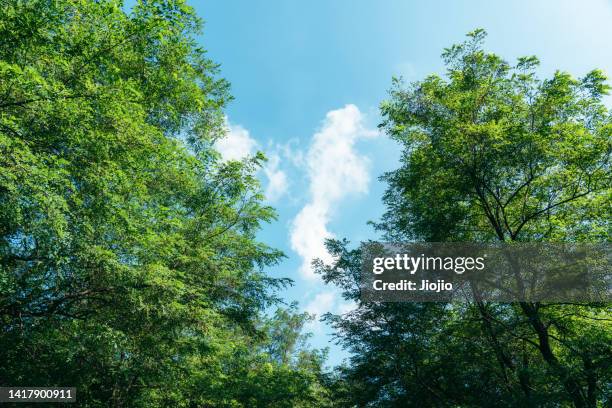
(327, 301)
(237, 143)
(291, 151)
(334, 170)
(308, 232)
(322, 303)
(277, 179)
(346, 307)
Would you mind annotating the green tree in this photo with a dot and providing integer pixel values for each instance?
(277, 369)
(129, 266)
(490, 153)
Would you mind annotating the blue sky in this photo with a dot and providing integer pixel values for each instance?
(308, 77)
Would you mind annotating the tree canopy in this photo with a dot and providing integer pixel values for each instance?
(490, 153)
(129, 266)
(129, 261)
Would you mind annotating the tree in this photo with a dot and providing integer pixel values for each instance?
(275, 369)
(129, 266)
(490, 153)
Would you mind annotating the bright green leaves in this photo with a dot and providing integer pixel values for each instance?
(127, 247)
(519, 151)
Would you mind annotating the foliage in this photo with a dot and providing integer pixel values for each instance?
(129, 266)
(490, 153)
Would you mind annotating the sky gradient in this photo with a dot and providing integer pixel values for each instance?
(308, 76)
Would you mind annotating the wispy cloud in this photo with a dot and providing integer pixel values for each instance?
(277, 179)
(328, 300)
(320, 304)
(334, 170)
(238, 144)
